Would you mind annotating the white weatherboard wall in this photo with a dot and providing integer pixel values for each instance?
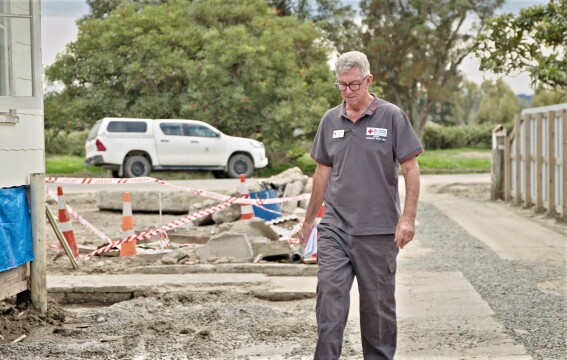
(21, 148)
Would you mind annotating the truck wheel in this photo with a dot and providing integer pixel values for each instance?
(240, 164)
(136, 166)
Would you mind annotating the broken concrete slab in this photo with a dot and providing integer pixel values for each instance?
(292, 189)
(254, 227)
(227, 244)
(265, 248)
(290, 175)
(148, 201)
(174, 256)
(227, 215)
(203, 220)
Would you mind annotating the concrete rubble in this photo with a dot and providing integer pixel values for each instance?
(239, 241)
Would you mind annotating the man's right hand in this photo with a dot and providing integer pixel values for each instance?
(305, 232)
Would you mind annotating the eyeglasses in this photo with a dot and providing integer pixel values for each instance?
(353, 86)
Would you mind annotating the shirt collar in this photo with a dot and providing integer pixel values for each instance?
(370, 111)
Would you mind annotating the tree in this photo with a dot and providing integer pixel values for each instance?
(498, 103)
(534, 41)
(232, 63)
(460, 108)
(331, 16)
(416, 48)
(545, 96)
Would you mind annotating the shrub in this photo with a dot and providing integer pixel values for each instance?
(452, 137)
(64, 143)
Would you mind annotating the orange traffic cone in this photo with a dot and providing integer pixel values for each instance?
(65, 223)
(128, 248)
(246, 210)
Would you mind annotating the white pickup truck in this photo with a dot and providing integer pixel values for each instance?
(134, 147)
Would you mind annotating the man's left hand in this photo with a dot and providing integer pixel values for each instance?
(405, 230)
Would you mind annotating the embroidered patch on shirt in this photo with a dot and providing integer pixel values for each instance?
(376, 134)
(338, 134)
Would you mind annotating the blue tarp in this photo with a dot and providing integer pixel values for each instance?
(15, 228)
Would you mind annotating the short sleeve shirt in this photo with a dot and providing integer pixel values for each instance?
(362, 195)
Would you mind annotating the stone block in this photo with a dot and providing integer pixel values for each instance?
(227, 244)
(292, 189)
(253, 228)
(176, 202)
(227, 215)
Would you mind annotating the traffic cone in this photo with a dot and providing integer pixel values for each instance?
(128, 248)
(65, 223)
(246, 210)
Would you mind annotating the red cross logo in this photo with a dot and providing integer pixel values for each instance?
(369, 131)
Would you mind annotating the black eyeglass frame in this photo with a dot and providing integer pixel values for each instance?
(339, 85)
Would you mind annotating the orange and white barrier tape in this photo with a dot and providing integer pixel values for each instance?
(172, 225)
(79, 218)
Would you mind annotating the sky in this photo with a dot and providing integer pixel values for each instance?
(58, 29)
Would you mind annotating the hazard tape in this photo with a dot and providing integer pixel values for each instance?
(172, 225)
(147, 180)
(79, 218)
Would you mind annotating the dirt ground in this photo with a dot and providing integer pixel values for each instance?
(208, 325)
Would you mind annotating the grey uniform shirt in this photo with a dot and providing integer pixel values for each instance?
(362, 195)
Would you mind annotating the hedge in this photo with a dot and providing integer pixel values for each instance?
(452, 137)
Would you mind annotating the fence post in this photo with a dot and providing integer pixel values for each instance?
(497, 178)
(551, 161)
(508, 168)
(518, 161)
(539, 163)
(38, 276)
(527, 160)
(564, 163)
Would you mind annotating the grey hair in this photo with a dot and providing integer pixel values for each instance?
(351, 60)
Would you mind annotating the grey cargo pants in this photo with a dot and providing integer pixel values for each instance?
(372, 259)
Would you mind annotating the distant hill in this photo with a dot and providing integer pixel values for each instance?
(525, 100)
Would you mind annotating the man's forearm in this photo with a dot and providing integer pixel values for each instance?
(412, 183)
(320, 182)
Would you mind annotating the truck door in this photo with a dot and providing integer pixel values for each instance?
(206, 145)
(172, 146)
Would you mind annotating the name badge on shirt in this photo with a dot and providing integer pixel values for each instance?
(376, 134)
(338, 134)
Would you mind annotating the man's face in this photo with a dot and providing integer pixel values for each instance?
(355, 80)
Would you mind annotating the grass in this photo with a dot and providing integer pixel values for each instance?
(70, 165)
(455, 161)
(452, 161)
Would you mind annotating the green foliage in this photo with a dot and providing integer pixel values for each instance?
(533, 41)
(454, 161)
(452, 137)
(545, 96)
(498, 104)
(331, 16)
(234, 64)
(416, 47)
(58, 142)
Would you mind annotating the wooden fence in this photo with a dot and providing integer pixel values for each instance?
(535, 160)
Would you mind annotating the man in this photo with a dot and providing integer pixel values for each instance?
(358, 148)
